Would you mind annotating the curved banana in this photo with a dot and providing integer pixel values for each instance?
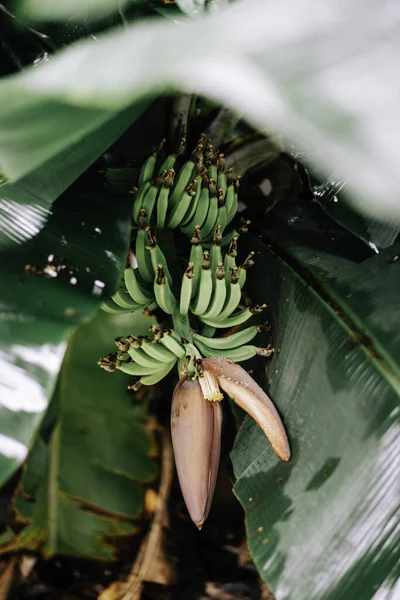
(233, 296)
(149, 201)
(216, 252)
(242, 271)
(218, 299)
(182, 206)
(139, 199)
(172, 344)
(231, 341)
(163, 294)
(132, 368)
(123, 299)
(185, 176)
(141, 358)
(201, 213)
(109, 306)
(196, 257)
(157, 256)
(134, 288)
(157, 376)
(235, 354)
(147, 170)
(168, 163)
(163, 198)
(231, 203)
(186, 290)
(205, 288)
(211, 219)
(143, 257)
(236, 319)
(160, 353)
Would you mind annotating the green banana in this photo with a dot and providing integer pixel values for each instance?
(163, 294)
(168, 163)
(149, 201)
(196, 257)
(132, 368)
(147, 170)
(216, 253)
(193, 204)
(236, 354)
(185, 176)
(230, 260)
(157, 256)
(143, 257)
(163, 198)
(219, 295)
(139, 199)
(181, 208)
(155, 350)
(205, 288)
(236, 319)
(231, 341)
(157, 376)
(172, 344)
(222, 181)
(134, 288)
(109, 306)
(200, 214)
(141, 358)
(231, 203)
(123, 299)
(186, 290)
(211, 159)
(212, 215)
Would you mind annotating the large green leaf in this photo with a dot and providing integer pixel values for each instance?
(266, 61)
(324, 525)
(87, 235)
(83, 482)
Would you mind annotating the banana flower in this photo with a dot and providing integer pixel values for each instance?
(196, 420)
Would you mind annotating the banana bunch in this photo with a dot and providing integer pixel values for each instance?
(133, 294)
(148, 359)
(198, 193)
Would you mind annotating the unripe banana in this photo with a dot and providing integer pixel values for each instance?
(193, 203)
(235, 354)
(216, 253)
(186, 290)
(143, 257)
(219, 294)
(157, 256)
(149, 201)
(163, 294)
(135, 290)
(157, 375)
(231, 341)
(172, 344)
(139, 199)
(147, 170)
(132, 368)
(168, 163)
(183, 179)
(160, 353)
(182, 206)
(233, 296)
(230, 260)
(235, 319)
(109, 306)
(163, 198)
(196, 257)
(221, 176)
(210, 221)
(201, 213)
(124, 300)
(205, 288)
(141, 358)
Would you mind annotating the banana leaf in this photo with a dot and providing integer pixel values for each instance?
(48, 285)
(84, 479)
(325, 525)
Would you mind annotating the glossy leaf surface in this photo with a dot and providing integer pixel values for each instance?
(50, 284)
(324, 525)
(270, 67)
(83, 483)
